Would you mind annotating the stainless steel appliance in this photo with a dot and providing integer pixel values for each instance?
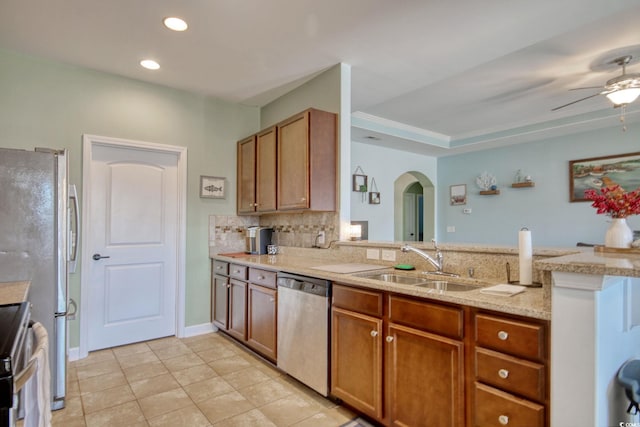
(34, 243)
(257, 240)
(14, 324)
(303, 329)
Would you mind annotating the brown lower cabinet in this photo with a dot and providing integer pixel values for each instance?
(395, 374)
(244, 305)
(406, 361)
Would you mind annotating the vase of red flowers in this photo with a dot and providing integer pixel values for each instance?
(618, 204)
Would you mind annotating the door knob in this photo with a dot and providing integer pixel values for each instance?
(97, 257)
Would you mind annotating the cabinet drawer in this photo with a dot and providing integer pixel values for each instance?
(511, 336)
(496, 408)
(220, 267)
(508, 373)
(358, 300)
(436, 318)
(238, 271)
(262, 277)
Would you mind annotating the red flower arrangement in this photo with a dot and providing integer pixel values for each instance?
(614, 201)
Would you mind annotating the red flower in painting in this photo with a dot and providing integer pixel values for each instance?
(614, 201)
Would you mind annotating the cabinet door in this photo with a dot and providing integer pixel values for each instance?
(261, 320)
(356, 361)
(219, 301)
(293, 163)
(238, 309)
(266, 172)
(425, 378)
(246, 173)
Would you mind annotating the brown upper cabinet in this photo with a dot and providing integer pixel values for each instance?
(293, 165)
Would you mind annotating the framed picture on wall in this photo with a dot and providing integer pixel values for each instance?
(458, 194)
(212, 187)
(599, 172)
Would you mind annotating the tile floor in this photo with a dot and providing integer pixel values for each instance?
(207, 380)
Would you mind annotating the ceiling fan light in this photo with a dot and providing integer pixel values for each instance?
(624, 96)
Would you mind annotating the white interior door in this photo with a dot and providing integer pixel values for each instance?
(131, 250)
(409, 217)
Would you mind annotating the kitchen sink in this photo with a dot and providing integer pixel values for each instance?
(436, 285)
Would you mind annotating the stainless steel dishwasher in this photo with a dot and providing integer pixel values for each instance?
(303, 329)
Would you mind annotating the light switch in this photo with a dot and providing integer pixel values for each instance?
(388, 255)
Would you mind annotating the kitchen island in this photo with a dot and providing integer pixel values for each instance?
(13, 292)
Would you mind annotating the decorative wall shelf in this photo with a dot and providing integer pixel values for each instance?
(523, 184)
(489, 192)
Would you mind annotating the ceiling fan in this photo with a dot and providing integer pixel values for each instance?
(621, 90)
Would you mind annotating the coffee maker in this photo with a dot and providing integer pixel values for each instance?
(257, 239)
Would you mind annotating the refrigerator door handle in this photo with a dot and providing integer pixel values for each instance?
(75, 231)
(72, 310)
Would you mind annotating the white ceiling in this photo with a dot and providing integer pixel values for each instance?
(431, 76)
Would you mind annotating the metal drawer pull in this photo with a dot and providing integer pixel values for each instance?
(503, 419)
(503, 335)
(374, 333)
(272, 299)
(261, 277)
(389, 338)
(228, 286)
(503, 373)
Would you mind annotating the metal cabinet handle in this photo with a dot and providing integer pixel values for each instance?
(503, 335)
(389, 338)
(374, 333)
(97, 257)
(503, 373)
(228, 286)
(503, 419)
(261, 277)
(272, 299)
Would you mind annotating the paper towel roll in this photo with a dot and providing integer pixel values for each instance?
(525, 256)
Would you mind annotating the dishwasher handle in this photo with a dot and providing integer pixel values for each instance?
(304, 284)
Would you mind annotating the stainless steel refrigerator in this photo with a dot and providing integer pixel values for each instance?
(37, 243)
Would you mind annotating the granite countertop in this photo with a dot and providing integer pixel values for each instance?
(13, 292)
(594, 262)
(533, 302)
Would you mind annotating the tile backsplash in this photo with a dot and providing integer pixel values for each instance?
(227, 232)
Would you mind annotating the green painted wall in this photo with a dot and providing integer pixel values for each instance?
(49, 104)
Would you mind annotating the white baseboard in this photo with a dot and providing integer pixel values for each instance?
(74, 354)
(203, 328)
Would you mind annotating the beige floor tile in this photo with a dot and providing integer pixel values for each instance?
(326, 418)
(102, 382)
(137, 359)
(229, 364)
(96, 357)
(189, 416)
(202, 342)
(95, 369)
(194, 374)
(253, 418)
(207, 389)
(183, 362)
(154, 385)
(220, 351)
(127, 350)
(72, 409)
(163, 403)
(266, 392)
(172, 351)
(127, 414)
(290, 410)
(69, 422)
(224, 406)
(163, 342)
(245, 378)
(72, 372)
(99, 400)
(147, 370)
(73, 389)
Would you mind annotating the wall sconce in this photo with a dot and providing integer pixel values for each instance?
(355, 232)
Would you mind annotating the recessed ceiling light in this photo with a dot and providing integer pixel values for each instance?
(175, 24)
(149, 64)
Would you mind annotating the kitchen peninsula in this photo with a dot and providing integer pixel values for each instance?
(587, 303)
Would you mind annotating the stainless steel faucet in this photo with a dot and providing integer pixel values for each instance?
(437, 262)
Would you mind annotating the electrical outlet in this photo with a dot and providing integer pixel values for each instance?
(451, 228)
(388, 255)
(321, 237)
(373, 254)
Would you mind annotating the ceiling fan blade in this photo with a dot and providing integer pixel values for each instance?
(587, 87)
(571, 103)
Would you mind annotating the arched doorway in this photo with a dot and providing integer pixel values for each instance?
(414, 207)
